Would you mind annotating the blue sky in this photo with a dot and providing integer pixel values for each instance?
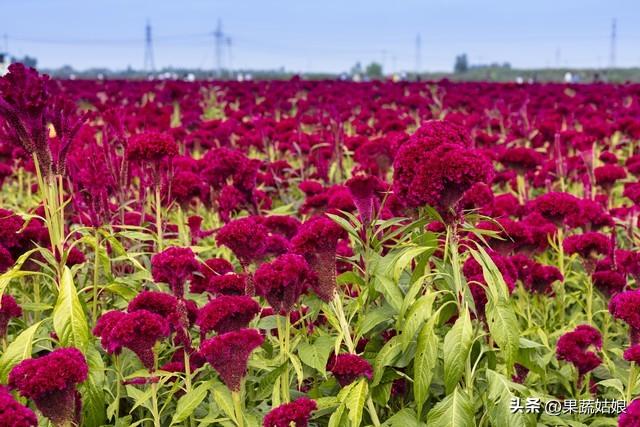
(327, 35)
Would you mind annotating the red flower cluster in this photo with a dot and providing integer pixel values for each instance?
(174, 266)
(574, 348)
(138, 331)
(13, 414)
(226, 313)
(283, 281)
(349, 367)
(229, 354)
(296, 413)
(50, 381)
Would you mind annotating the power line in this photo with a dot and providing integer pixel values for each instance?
(612, 52)
(149, 64)
(218, 39)
(418, 54)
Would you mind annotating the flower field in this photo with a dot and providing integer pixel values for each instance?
(318, 253)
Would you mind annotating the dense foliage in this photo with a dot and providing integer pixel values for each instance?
(316, 253)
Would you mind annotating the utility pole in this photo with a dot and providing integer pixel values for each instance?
(218, 38)
(149, 64)
(612, 52)
(418, 55)
(229, 56)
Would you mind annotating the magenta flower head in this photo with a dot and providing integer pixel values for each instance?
(363, 190)
(228, 284)
(246, 237)
(521, 159)
(24, 97)
(555, 206)
(588, 245)
(227, 313)
(436, 167)
(626, 307)
(174, 266)
(229, 354)
(138, 331)
(348, 367)
(541, 278)
(210, 268)
(13, 414)
(609, 282)
(317, 241)
(8, 310)
(574, 348)
(151, 147)
(607, 175)
(50, 381)
(632, 354)
(174, 310)
(631, 416)
(282, 281)
(296, 413)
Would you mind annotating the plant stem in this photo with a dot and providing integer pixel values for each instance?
(154, 395)
(342, 319)
(589, 300)
(237, 407)
(372, 412)
(158, 217)
(96, 277)
(633, 374)
(283, 340)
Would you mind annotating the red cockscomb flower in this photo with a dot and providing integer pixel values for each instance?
(151, 147)
(174, 266)
(283, 281)
(317, 240)
(631, 416)
(588, 245)
(50, 381)
(555, 206)
(626, 307)
(229, 354)
(226, 313)
(8, 310)
(138, 331)
(13, 414)
(609, 282)
(211, 268)
(228, 284)
(349, 367)
(574, 348)
(246, 237)
(296, 413)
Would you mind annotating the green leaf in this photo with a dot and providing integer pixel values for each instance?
(19, 350)
(419, 312)
(425, 362)
(93, 396)
(499, 402)
(391, 291)
(375, 317)
(403, 418)
(69, 319)
(387, 355)
(189, 402)
(455, 410)
(14, 272)
(317, 354)
(222, 396)
(355, 401)
(504, 328)
(457, 344)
